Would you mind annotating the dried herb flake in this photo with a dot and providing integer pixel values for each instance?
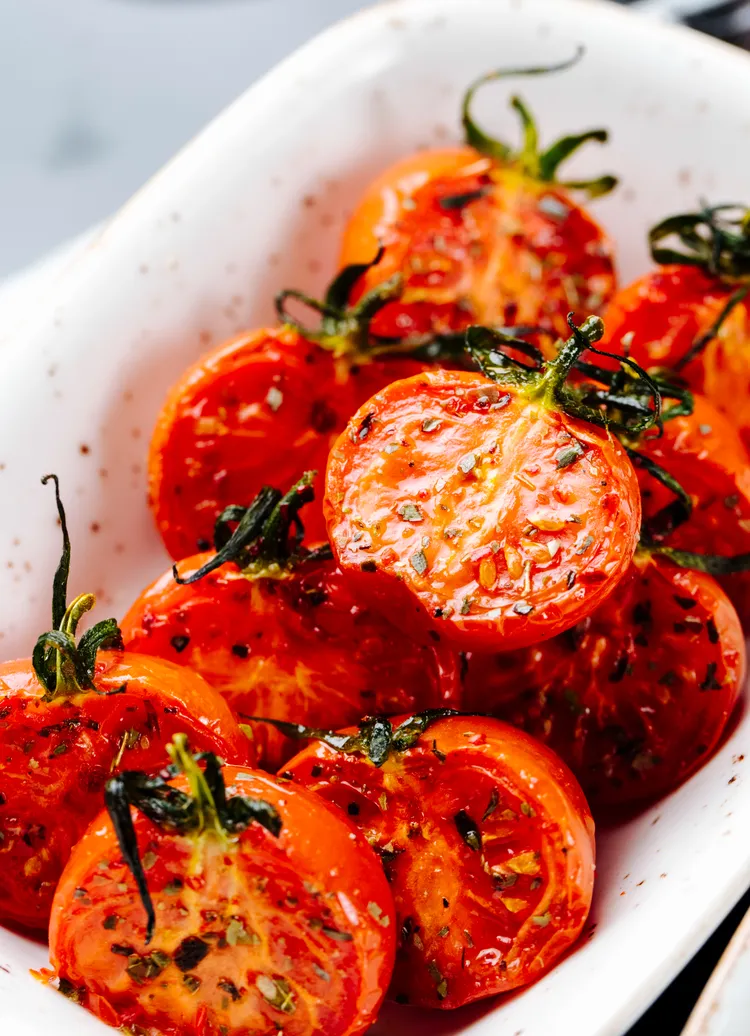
(418, 562)
(410, 513)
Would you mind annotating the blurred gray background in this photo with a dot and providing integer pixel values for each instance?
(95, 95)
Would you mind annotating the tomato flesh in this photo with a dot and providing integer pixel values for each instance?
(488, 846)
(454, 501)
(301, 649)
(257, 411)
(254, 934)
(517, 252)
(637, 696)
(56, 757)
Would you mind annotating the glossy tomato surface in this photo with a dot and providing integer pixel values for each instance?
(302, 649)
(705, 454)
(56, 756)
(254, 934)
(477, 243)
(488, 845)
(662, 314)
(637, 696)
(256, 411)
(459, 502)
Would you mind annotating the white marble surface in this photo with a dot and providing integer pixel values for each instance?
(95, 95)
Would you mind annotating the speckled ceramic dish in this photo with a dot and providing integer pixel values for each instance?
(256, 203)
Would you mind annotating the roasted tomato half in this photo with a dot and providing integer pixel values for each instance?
(637, 696)
(70, 719)
(483, 234)
(706, 456)
(271, 912)
(487, 842)
(258, 410)
(485, 508)
(693, 316)
(56, 755)
(279, 632)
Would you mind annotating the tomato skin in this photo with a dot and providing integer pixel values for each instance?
(637, 697)
(479, 474)
(704, 452)
(665, 312)
(408, 810)
(303, 649)
(284, 894)
(56, 756)
(257, 411)
(523, 253)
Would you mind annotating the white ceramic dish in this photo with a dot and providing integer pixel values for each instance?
(256, 203)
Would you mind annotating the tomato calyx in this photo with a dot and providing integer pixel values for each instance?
(376, 739)
(344, 330)
(537, 164)
(610, 406)
(716, 239)
(63, 665)
(267, 540)
(206, 811)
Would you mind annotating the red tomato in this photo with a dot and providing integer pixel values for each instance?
(256, 411)
(637, 696)
(483, 234)
(56, 755)
(705, 454)
(693, 315)
(488, 845)
(70, 717)
(301, 649)
(482, 509)
(278, 631)
(258, 929)
(519, 251)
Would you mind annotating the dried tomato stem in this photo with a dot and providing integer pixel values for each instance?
(712, 564)
(556, 371)
(344, 330)
(376, 738)
(267, 543)
(62, 666)
(628, 401)
(206, 811)
(208, 816)
(542, 165)
(703, 340)
(717, 239)
(672, 514)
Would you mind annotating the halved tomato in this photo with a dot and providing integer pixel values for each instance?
(486, 839)
(492, 511)
(483, 233)
(269, 911)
